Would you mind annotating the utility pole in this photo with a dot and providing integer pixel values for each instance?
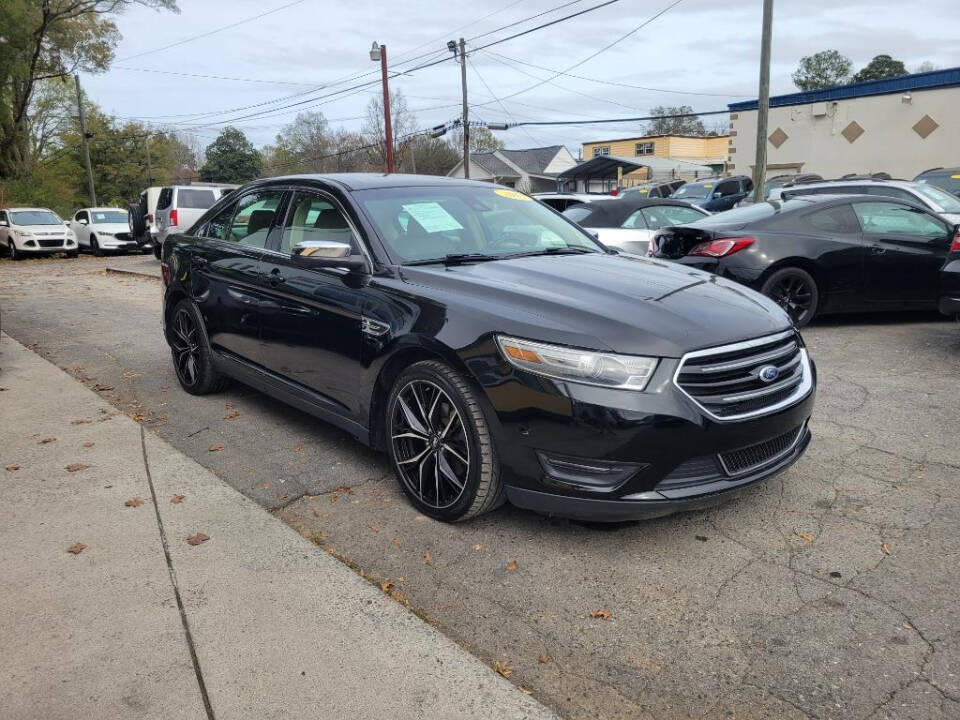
(378, 53)
(466, 120)
(763, 103)
(86, 146)
(149, 166)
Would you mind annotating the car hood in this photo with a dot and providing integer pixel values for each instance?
(620, 303)
(41, 229)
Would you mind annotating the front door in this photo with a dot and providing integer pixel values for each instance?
(228, 272)
(81, 229)
(905, 249)
(311, 317)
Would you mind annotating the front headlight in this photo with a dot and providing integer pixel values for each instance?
(23, 233)
(629, 372)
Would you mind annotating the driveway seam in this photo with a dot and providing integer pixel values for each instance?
(188, 635)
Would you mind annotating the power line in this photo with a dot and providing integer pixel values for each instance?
(212, 32)
(503, 107)
(213, 77)
(608, 121)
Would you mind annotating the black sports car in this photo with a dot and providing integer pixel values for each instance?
(821, 253)
(493, 348)
(950, 280)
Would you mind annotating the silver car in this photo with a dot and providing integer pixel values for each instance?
(629, 225)
(180, 206)
(936, 199)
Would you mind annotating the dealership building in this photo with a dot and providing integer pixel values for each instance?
(901, 126)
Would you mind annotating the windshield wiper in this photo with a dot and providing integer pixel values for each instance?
(569, 250)
(456, 259)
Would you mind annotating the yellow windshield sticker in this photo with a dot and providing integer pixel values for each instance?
(643, 192)
(708, 186)
(955, 177)
(512, 194)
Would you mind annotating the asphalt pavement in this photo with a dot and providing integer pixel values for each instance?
(827, 592)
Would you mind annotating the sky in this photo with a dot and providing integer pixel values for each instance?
(702, 53)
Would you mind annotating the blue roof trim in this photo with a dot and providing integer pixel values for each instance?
(918, 81)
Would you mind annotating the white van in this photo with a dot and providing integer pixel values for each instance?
(180, 206)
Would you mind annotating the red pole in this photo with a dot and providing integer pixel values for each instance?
(386, 108)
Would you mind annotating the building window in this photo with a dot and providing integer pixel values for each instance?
(601, 150)
(643, 148)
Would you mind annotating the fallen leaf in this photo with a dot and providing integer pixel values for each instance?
(804, 535)
(177, 499)
(76, 467)
(375, 528)
(102, 388)
(316, 514)
(197, 539)
(282, 497)
(325, 515)
(543, 659)
(907, 626)
(134, 502)
(89, 444)
(921, 467)
(46, 440)
(217, 448)
(76, 548)
(504, 668)
(885, 549)
(228, 405)
(511, 566)
(522, 689)
(334, 497)
(398, 542)
(387, 585)
(346, 488)
(81, 421)
(12, 468)
(231, 415)
(427, 558)
(835, 574)
(298, 447)
(478, 547)
(600, 614)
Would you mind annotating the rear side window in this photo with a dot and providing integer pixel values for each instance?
(665, 215)
(195, 199)
(247, 221)
(577, 213)
(166, 199)
(839, 219)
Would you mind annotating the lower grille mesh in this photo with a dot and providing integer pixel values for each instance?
(736, 462)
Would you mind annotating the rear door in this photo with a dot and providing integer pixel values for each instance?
(227, 272)
(4, 228)
(906, 247)
(191, 204)
(311, 316)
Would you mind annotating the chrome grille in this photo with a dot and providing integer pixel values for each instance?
(737, 462)
(725, 381)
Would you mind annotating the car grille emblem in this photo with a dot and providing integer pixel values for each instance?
(768, 373)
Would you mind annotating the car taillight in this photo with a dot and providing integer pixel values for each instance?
(173, 218)
(165, 273)
(955, 245)
(615, 192)
(148, 217)
(721, 247)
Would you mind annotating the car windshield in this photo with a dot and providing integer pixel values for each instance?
(34, 217)
(109, 216)
(947, 202)
(758, 211)
(950, 183)
(693, 190)
(443, 222)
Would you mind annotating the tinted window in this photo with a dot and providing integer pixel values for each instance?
(882, 217)
(837, 219)
(248, 221)
(426, 223)
(694, 190)
(949, 203)
(666, 215)
(3, 216)
(730, 187)
(314, 218)
(885, 191)
(577, 213)
(82, 215)
(197, 199)
(165, 199)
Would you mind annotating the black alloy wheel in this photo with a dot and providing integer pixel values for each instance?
(796, 292)
(440, 444)
(191, 356)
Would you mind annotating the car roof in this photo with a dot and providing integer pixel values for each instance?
(902, 184)
(367, 181)
(27, 209)
(940, 171)
(90, 209)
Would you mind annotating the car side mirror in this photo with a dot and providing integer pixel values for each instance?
(4, 223)
(325, 253)
(718, 195)
(82, 221)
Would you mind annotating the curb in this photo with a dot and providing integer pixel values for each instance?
(120, 271)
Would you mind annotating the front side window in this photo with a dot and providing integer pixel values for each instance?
(82, 215)
(165, 199)
(3, 216)
(34, 217)
(883, 217)
(430, 223)
(724, 189)
(195, 199)
(248, 221)
(661, 216)
(312, 217)
(694, 190)
(635, 221)
(643, 148)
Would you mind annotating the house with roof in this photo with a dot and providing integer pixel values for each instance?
(901, 126)
(530, 170)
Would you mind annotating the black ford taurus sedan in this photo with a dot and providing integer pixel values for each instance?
(495, 350)
(818, 254)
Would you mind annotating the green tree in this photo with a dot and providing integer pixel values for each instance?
(47, 39)
(825, 69)
(664, 125)
(882, 66)
(231, 158)
(481, 140)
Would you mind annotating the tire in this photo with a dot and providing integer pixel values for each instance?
(14, 253)
(795, 290)
(156, 250)
(440, 445)
(72, 255)
(136, 220)
(95, 247)
(190, 352)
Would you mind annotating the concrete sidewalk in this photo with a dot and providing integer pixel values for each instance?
(255, 622)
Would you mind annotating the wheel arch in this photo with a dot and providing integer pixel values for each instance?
(173, 297)
(806, 264)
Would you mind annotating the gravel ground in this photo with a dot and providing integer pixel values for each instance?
(828, 592)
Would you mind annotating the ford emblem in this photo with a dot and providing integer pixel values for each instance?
(768, 373)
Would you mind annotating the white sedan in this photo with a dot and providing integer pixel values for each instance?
(103, 229)
(630, 224)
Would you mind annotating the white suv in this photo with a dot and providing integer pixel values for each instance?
(100, 229)
(180, 206)
(35, 231)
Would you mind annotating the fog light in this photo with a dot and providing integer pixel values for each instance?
(586, 474)
(30, 243)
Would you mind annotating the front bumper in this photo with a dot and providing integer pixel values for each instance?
(45, 247)
(595, 453)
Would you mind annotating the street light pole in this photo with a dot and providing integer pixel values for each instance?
(379, 52)
(763, 103)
